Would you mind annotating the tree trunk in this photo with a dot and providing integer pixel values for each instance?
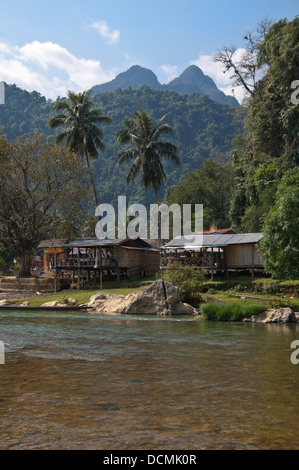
(159, 219)
(25, 263)
(92, 180)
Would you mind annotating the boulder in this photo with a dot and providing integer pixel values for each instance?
(278, 315)
(106, 303)
(4, 302)
(54, 303)
(161, 298)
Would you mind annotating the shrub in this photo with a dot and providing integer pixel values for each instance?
(188, 280)
(271, 287)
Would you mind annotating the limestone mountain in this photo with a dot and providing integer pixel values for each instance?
(192, 80)
(135, 77)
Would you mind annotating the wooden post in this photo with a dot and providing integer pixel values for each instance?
(101, 269)
(117, 268)
(252, 260)
(55, 271)
(78, 258)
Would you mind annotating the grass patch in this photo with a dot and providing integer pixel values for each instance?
(80, 296)
(234, 311)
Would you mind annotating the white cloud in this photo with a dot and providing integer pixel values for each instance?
(222, 80)
(170, 71)
(49, 69)
(111, 36)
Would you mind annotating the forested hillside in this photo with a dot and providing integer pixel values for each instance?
(203, 129)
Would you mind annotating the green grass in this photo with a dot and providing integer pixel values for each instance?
(235, 311)
(80, 296)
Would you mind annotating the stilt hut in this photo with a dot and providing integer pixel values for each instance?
(94, 259)
(215, 253)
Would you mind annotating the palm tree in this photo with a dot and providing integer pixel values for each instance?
(81, 133)
(147, 149)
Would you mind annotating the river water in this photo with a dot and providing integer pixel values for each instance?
(82, 381)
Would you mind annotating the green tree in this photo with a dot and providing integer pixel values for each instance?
(187, 279)
(42, 186)
(147, 149)
(203, 187)
(280, 244)
(271, 144)
(82, 134)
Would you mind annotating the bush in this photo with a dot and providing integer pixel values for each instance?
(271, 287)
(235, 311)
(188, 280)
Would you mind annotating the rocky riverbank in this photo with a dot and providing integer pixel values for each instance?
(161, 298)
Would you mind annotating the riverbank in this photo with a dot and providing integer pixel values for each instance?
(266, 292)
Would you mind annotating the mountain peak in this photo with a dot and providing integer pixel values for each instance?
(192, 80)
(134, 77)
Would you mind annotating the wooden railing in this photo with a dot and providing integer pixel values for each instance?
(65, 263)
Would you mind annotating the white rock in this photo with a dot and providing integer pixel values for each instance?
(278, 315)
(161, 298)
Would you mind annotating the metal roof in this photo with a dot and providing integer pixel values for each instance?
(93, 242)
(58, 243)
(203, 241)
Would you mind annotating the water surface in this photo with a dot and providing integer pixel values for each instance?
(83, 381)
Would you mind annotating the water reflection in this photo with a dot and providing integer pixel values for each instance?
(75, 381)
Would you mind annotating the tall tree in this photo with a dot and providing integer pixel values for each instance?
(42, 186)
(147, 149)
(245, 66)
(202, 187)
(280, 244)
(82, 134)
(271, 144)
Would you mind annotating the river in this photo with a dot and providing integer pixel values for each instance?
(83, 381)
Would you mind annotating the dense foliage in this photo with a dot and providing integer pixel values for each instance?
(42, 186)
(271, 145)
(202, 129)
(280, 245)
(203, 187)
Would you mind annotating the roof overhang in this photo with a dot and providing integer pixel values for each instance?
(193, 242)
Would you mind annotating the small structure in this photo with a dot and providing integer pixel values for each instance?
(214, 252)
(94, 259)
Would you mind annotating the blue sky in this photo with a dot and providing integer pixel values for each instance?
(56, 45)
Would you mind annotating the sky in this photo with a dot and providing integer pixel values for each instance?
(55, 46)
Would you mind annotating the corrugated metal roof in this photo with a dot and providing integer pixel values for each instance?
(51, 243)
(92, 242)
(144, 248)
(202, 241)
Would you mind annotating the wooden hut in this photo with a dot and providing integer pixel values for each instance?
(91, 258)
(216, 252)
